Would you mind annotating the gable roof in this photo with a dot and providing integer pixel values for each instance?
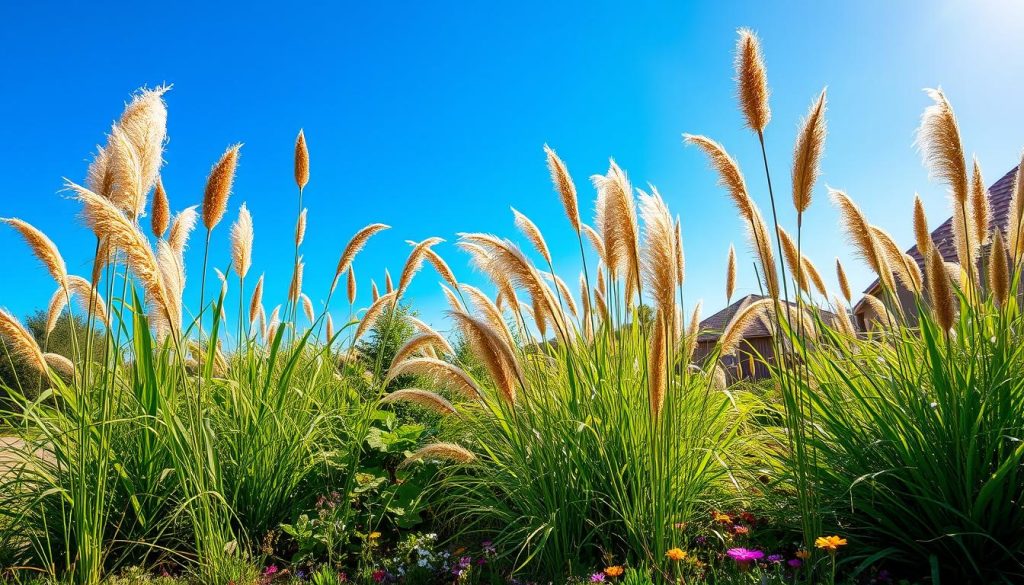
(713, 326)
(999, 195)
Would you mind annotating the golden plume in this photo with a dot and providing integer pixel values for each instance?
(42, 247)
(256, 302)
(295, 288)
(374, 293)
(565, 187)
(692, 333)
(413, 264)
(810, 143)
(858, 230)
(906, 271)
(744, 318)
(144, 123)
(680, 256)
(300, 228)
(420, 342)
(60, 364)
(940, 290)
(388, 285)
(301, 161)
(491, 349)
(241, 241)
(922, 235)
(659, 261)
(595, 241)
(617, 224)
(730, 177)
(981, 210)
(730, 274)
(99, 178)
(844, 284)
(792, 256)
(373, 313)
(563, 291)
(843, 320)
(532, 233)
(218, 187)
(438, 372)
(440, 266)
(58, 301)
(875, 304)
(329, 325)
(425, 398)
(273, 324)
(182, 226)
(160, 216)
(998, 271)
(356, 244)
(752, 81)
(657, 366)
(307, 307)
(1015, 221)
(351, 288)
(20, 341)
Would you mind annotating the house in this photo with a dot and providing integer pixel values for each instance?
(999, 195)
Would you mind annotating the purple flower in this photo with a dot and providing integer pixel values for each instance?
(744, 556)
(701, 540)
(488, 547)
(465, 562)
(774, 559)
(795, 563)
(597, 578)
(270, 570)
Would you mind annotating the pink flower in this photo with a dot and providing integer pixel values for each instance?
(270, 570)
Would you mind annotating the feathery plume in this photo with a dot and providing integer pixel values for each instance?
(373, 290)
(160, 216)
(144, 123)
(844, 284)
(730, 274)
(441, 373)
(532, 233)
(356, 244)
(373, 312)
(812, 273)
(58, 301)
(680, 256)
(20, 341)
(99, 178)
(843, 319)
(1015, 221)
(922, 235)
(307, 307)
(125, 170)
(595, 241)
(273, 324)
(730, 177)
(617, 223)
(490, 311)
(218, 187)
(657, 366)
(241, 241)
(412, 264)
(330, 328)
(998, 271)
(810, 143)
(858, 230)
(981, 210)
(940, 290)
(692, 333)
(351, 285)
(256, 301)
(565, 187)
(441, 452)
(896, 260)
(793, 260)
(752, 81)
(300, 228)
(566, 294)
(884, 318)
(440, 266)
(659, 262)
(488, 346)
(181, 228)
(746, 316)
(421, 342)
(301, 161)
(425, 398)
(89, 299)
(42, 247)
(295, 288)
(60, 364)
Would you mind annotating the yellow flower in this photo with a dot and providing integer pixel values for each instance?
(676, 554)
(613, 571)
(374, 535)
(829, 543)
(803, 554)
(722, 518)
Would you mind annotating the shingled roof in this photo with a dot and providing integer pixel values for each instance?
(713, 326)
(999, 195)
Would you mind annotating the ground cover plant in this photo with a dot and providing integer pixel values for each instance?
(568, 432)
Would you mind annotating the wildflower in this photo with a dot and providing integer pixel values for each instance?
(614, 570)
(740, 530)
(829, 543)
(803, 554)
(270, 570)
(748, 518)
(744, 557)
(676, 554)
(597, 578)
(488, 547)
(722, 518)
(795, 563)
(774, 559)
(680, 525)
(378, 576)
(374, 535)
(343, 577)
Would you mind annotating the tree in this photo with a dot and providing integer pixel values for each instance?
(386, 336)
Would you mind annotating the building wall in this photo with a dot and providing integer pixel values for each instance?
(749, 361)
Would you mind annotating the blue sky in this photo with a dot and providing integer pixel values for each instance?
(431, 117)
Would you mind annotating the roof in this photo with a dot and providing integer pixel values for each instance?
(713, 326)
(999, 195)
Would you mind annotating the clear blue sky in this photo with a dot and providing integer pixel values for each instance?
(431, 116)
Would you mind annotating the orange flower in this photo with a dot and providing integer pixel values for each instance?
(722, 518)
(676, 554)
(614, 570)
(803, 554)
(829, 543)
(740, 529)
